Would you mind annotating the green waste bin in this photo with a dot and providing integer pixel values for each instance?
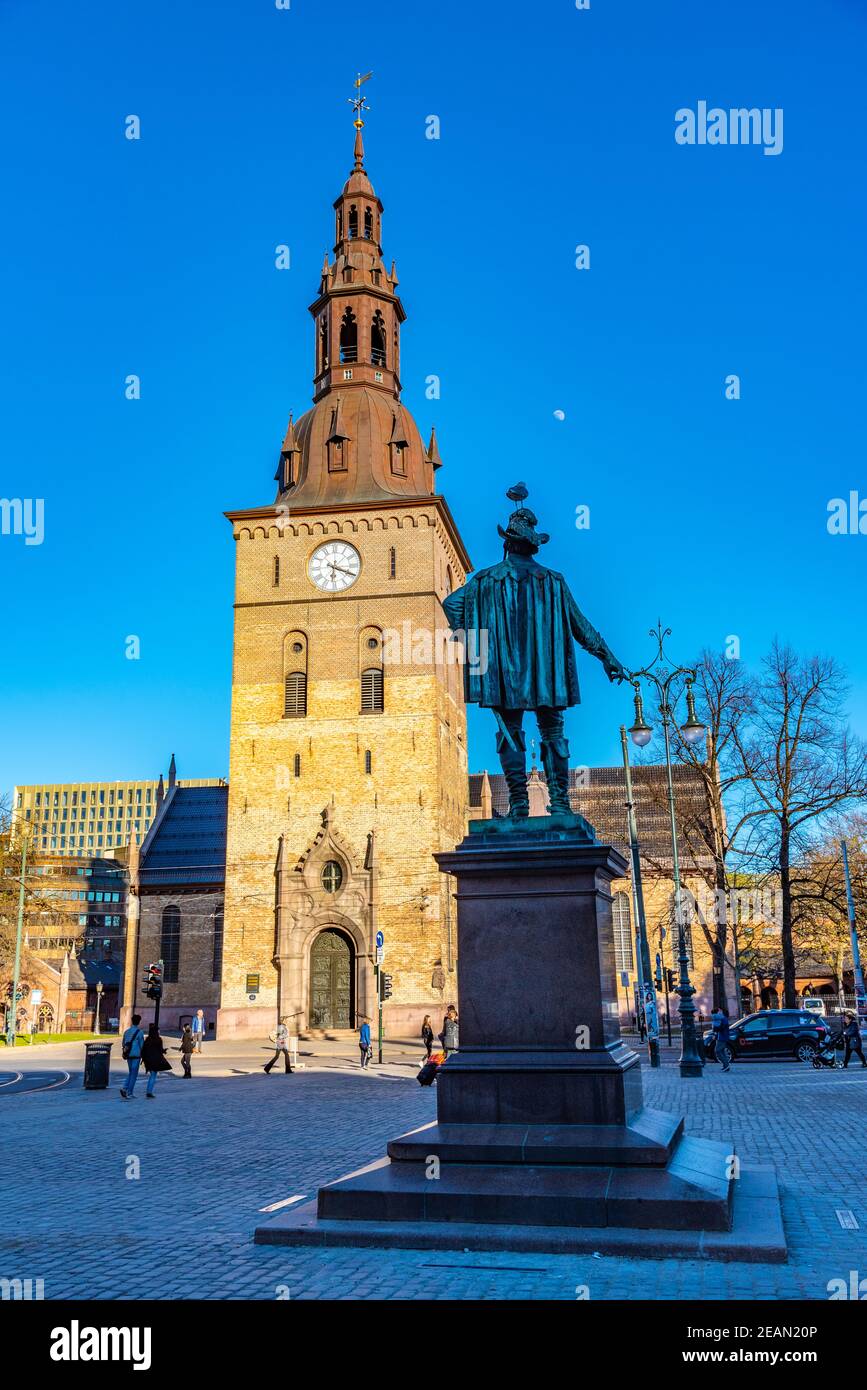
(97, 1061)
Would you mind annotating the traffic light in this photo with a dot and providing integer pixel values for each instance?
(152, 980)
(385, 983)
(671, 980)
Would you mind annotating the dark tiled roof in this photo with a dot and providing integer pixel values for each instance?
(599, 794)
(187, 842)
(94, 968)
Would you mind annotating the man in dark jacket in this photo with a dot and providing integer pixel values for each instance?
(523, 619)
(186, 1047)
(852, 1039)
(723, 1040)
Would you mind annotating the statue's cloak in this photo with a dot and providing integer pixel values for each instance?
(520, 621)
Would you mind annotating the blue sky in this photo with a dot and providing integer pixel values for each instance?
(156, 257)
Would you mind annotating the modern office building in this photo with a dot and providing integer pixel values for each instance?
(87, 820)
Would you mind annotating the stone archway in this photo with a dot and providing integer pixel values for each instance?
(331, 974)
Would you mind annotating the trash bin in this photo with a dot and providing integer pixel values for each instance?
(97, 1061)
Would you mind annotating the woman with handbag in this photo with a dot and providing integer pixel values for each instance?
(153, 1054)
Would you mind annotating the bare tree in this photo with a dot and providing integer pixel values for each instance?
(800, 765)
(820, 918)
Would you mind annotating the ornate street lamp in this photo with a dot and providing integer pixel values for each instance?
(657, 674)
(99, 988)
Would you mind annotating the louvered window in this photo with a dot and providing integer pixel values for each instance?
(371, 691)
(217, 962)
(622, 931)
(295, 701)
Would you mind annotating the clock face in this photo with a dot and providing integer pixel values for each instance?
(334, 566)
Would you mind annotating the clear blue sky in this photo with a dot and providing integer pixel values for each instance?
(156, 257)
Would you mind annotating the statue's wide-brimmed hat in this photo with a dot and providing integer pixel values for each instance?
(522, 523)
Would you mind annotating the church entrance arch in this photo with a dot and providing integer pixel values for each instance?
(332, 980)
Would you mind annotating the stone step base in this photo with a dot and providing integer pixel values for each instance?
(693, 1192)
(649, 1138)
(756, 1234)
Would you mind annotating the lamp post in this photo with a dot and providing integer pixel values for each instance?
(661, 678)
(12, 1014)
(645, 974)
(99, 988)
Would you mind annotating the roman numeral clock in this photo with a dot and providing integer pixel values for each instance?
(334, 566)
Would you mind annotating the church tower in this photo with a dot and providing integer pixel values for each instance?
(348, 765)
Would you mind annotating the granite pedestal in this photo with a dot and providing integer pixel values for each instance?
(542, 1139)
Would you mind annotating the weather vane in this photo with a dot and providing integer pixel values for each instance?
(358, 104)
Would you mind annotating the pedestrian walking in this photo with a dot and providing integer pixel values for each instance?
(427, 1036)
(131, 1046)
(153, 1054)
(449, 1035)
(364, 1043)
(198, 1030)
(280, 1039)
(852, 1039)
(186, 1047)
(723, 1040)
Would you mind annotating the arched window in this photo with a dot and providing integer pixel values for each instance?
(297, 765)
(332, 876)
(170, 943)
(349, 337)
(276, 570)
(368, 762)
(353, 222)
(450, 580)
(295, 695)
(371, 691)
(377, 340)
(622, 919)
(217, 960)
(323, 344)
(368, 224)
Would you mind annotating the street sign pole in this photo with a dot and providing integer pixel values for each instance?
(380, 943)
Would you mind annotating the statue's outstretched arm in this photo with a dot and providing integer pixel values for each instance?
(594, 643)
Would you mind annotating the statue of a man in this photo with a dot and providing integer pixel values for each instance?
(530, 618)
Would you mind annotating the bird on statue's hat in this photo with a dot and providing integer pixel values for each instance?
(522, 523)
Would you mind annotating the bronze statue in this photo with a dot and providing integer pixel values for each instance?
(529, 618)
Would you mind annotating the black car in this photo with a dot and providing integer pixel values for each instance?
(774, 1033)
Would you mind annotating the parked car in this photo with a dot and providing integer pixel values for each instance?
(773, 1033)
(814, 1005)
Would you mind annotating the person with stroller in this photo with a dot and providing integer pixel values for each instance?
(852, 1038)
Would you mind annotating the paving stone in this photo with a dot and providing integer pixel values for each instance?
(214, 1153)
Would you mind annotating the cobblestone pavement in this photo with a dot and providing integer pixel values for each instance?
(212, 1154)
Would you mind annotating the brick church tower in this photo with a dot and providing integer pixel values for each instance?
(348, 765)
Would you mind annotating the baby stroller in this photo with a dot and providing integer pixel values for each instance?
(428, 1073)
(827, 1056)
